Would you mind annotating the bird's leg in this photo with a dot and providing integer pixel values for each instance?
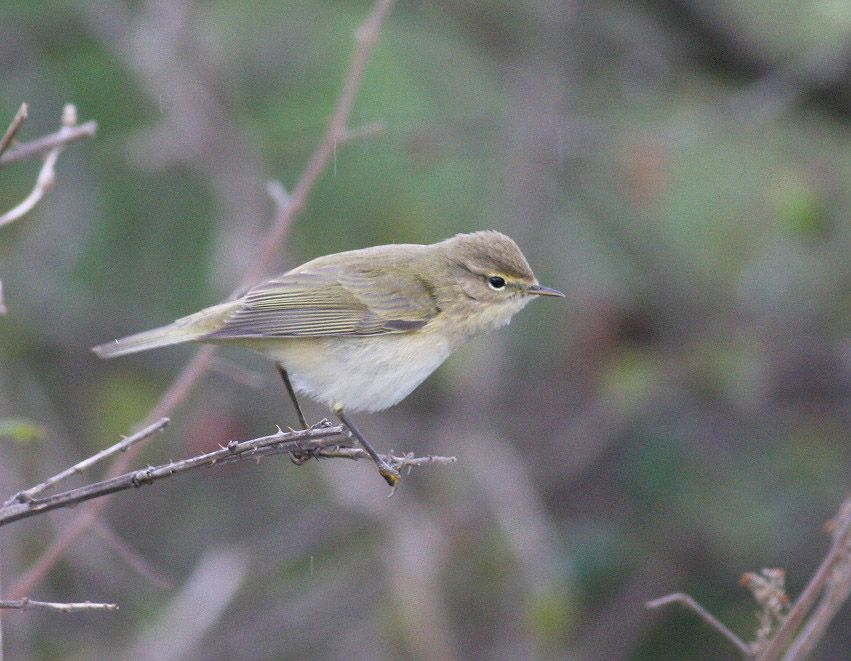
(298, 458)
(390, 474)
(286, 379)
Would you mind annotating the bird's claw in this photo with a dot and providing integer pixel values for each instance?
(390, 475)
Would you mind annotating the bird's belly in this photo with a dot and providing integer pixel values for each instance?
(359, 373)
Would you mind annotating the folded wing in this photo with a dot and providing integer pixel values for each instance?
(331, 302)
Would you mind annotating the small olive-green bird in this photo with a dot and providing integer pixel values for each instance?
(359, 330)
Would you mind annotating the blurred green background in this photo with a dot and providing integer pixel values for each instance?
(680, 169)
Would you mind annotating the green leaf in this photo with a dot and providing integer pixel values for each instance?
(21, 430)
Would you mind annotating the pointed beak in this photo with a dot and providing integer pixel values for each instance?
(540, 290)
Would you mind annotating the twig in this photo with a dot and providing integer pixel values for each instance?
(25, 604)
(367, 35)
(709, 618)
(3, 309)
(64, 136)
(46, 176)
(838, 553)
(78, 468)
(325, 441)
(19, 118)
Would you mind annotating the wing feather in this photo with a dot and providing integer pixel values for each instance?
(332, 302)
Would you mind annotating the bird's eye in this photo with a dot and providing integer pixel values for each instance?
(496, 282)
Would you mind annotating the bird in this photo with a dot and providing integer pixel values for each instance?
(359, 330)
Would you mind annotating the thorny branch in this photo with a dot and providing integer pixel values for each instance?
(778, 627)
(78, 468)
(366, 38)
(321, 441)
(28, 604)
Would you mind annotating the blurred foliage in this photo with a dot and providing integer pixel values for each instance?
(22, 431)
(680, 169)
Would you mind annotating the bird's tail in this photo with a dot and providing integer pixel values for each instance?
(193, 327)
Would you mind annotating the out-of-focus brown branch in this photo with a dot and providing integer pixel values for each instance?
(366, 37)
(322, 441)
(778, 629)
(132, 557)
(28, 604)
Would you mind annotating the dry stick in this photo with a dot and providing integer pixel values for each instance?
(64, 136)
(367, 36)
(709, 618)
(56, 142)
(19, 118)
(47, 175)
(322, 441)
(839, 550)
(78, 468)
(25, 604)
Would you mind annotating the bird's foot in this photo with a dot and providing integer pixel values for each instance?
(390, 474)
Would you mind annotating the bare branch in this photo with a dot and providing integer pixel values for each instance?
(19, 118)
(78, 468)
(3, 309)
(322, 441)
(367, 35)
(705, 615)
(46, 176)
(833, 578)
(64, 136)
(28, 604)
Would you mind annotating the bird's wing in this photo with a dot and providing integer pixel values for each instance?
(331, 302)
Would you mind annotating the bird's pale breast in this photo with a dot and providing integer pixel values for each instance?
(358, 373)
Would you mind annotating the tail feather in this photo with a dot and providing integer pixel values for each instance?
(193, 327)
(151, 339)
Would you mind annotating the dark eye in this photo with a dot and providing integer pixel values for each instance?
(496, 282)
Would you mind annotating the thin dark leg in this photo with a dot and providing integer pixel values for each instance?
(291, 392)
(298, 458)
(390, 474)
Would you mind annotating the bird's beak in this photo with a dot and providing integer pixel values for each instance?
(540, 290)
